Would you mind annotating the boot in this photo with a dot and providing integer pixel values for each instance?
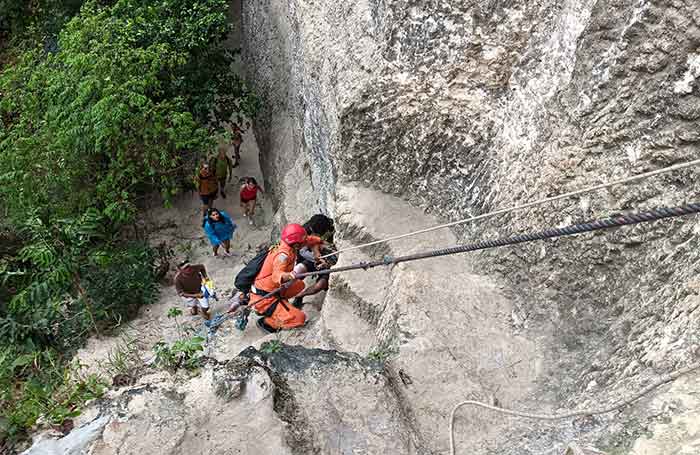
(264, 327)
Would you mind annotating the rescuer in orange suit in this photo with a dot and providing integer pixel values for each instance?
(278, 270)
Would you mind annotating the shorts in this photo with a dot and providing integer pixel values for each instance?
(206, 198)
(191, 302)
(245, 201)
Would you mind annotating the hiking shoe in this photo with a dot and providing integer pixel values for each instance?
(298, 302)
(264, 327)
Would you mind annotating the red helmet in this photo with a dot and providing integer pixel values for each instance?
(293, 233)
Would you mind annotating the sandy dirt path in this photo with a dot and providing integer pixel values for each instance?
(180, 228)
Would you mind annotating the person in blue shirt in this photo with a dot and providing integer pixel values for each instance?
(219, 228)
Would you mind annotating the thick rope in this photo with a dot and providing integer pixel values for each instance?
(582, 412)
(622, 181)
(596, 225)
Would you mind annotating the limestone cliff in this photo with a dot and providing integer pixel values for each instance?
(380, 111)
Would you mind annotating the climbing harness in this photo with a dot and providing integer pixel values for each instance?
(502, 211)
(582, 412)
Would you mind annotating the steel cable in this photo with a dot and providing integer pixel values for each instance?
(634, 178)
(591, 226)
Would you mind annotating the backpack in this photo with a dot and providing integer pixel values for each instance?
(246, 277)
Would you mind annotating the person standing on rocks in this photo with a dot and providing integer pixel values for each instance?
(188, 284)
(219, 228)
(207, 186)
(236, 141)
(223, 169)
(248, 195)
(278, 270)
(322, 226)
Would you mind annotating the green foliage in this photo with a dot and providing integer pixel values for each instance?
(174, 312)
(381, 354)
(42, 18)
(69, 281)
(270, 347)
(123, 360)
(38, 384)
(183, 353)
(121, 105)
(119, 109)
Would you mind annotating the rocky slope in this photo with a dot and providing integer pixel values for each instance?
(460, 107)
(396, 115)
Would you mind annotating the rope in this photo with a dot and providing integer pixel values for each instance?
(596, 225)
(634, 178)
(582, 412)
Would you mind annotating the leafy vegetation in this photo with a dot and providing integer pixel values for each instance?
(39, 384)
(381, 355)
(183, 353)
(124, 361)
(271, 347)
(130, 95)
(37, 19)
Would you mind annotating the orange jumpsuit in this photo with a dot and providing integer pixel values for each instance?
(280, 260)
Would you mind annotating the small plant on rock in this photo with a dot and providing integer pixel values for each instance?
(275, 345)
(181, 354)
(270, 347)
(123, 361)
(174, 313)
(380, 354)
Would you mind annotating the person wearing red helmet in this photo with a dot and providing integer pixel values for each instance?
(278, 270)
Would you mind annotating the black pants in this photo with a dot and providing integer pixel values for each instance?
(222, 185)
(236, 154)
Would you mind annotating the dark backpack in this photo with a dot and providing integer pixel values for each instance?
(246, 277)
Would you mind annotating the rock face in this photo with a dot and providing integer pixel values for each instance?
(378, 112)
(293, 401)
(336, 403)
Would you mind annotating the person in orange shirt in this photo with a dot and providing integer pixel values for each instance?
(277, 271)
